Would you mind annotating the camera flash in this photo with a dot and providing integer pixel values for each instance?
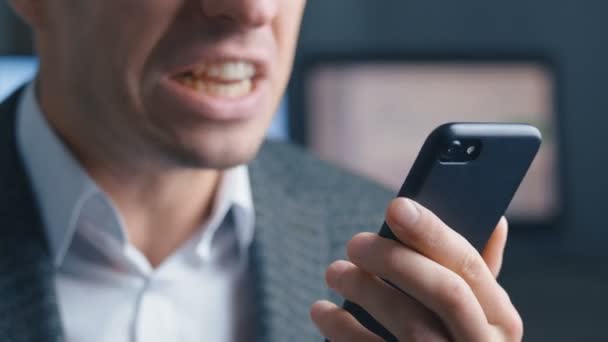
(470, 150)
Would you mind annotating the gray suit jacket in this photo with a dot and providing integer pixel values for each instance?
(306, 210)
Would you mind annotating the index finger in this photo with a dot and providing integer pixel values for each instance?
(420, 229)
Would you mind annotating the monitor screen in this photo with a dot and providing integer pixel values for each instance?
(372, 118)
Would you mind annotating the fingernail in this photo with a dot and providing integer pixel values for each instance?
(407, 212)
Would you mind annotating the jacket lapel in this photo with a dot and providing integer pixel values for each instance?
(28, 304)
(290, 253)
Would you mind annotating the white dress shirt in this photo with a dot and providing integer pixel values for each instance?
(107, 290)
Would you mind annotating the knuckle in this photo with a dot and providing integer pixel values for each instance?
(393, 261)
(504, 296)
(429, 231)
(514, 327)
(470, 265)
(455, 294)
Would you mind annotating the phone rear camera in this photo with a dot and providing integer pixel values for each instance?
(460, 151)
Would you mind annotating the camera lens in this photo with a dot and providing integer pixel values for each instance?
(451, 151)
(454, 148)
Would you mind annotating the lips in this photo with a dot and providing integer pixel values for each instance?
(219, 83)
(214, 88)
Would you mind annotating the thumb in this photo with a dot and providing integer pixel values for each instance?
(494, 250)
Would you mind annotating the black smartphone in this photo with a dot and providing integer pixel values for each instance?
(467, 174)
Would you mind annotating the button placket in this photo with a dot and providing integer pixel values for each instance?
(156, 318)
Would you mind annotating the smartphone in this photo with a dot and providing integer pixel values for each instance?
(467, 174)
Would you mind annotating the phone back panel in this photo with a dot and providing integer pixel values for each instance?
(471, 197)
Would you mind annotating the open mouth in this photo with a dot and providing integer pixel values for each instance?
(231, 79)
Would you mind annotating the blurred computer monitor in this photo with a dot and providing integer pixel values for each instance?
(373, 116)
(14, 72)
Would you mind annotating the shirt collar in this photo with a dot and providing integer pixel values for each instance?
(60, 184)
(233, 197)
(64, 189)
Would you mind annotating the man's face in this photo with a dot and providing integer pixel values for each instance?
(194, 82)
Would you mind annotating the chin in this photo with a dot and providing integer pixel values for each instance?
(209, 152)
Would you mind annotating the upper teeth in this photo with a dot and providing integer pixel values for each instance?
(226, 71)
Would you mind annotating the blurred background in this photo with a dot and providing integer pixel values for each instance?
(373, 78)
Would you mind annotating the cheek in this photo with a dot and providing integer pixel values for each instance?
(128, 32)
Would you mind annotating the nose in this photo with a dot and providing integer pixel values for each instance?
(251, 13)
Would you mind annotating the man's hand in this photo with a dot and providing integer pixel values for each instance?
(452, 292)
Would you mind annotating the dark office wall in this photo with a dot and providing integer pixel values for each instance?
(573, 34)
(14, 35)
(570, 34)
